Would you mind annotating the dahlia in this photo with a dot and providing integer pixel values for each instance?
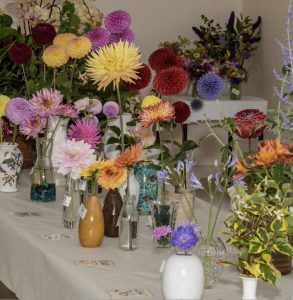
(164, 58)
(149, 101)
(144, 75)
(62, 39)
(182, 111)
(92, 169)
(126, 35)
(17, 110)
(129, 156)
(43, 33)
(117, 21)
(4, 100)
(78, 47)
(55, 56)
(111, 109)
(31, 127)
(170, 81)
(67, 110)
(19, 53)
(99, 37)
(210, 86)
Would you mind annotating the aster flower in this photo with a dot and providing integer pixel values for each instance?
(144, 75)
(129, 156)
(4, 100)
(126, 35)
(78, 47)
(45, 103)
(55, 56)
(86, 130)
(72, 156)
(165, 58)
(62, 39)
(43, 33)
(117, 21)
(162, 112)
(17, 110)
(150, 101)
(99, 37)
(32, 127)
(161, 231)
(170, 81)
(19, 53)
(111, 109)
(114, 63)
(210, 86)
(182, 111)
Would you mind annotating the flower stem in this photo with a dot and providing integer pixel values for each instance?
(14, 134)
(25, 79)
(120, 117)
(1, 131)
(54, 79)
(71, 80)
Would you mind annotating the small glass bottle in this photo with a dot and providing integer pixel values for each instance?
(128, 224)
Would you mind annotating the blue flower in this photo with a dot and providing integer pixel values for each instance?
(230, 162)
(195, 183)
(217, 181)
(189, 163)
(210, 86)
(286, 120)
(162, 175)
(180, 165)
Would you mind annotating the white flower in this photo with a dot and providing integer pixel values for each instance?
(216, 163)
(210, 177)
(279, 214)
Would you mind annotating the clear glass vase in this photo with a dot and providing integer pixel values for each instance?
(235, 91)
(42, 177)
(210, 254)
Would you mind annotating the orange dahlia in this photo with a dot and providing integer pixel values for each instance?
(161, 112)
(129, 156)
(266, 156)
(241, 168)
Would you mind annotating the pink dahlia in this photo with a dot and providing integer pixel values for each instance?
(117, 21)
(18, 110)
(72, 156)
(67, 110)
(32, 127)
(86, 129)
(45, 103)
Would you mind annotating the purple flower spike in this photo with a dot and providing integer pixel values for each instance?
(126, 35)
(99, 37)
(111, 109)
(117, 21)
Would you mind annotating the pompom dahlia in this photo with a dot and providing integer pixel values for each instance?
(19, 53)
(87, 130)
(17, 110)
(126, 35)
(43, 33)
(99, 37)
(170, 81)
(164, 58)
(150, 101)
(55, 56)
(32, 127)
(144, 75)
(4, 100)
(62, 39)
(111, 109)
(78, 47)
(210, 86)
(117, 21)
(182, 111)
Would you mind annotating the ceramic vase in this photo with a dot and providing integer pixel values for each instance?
(249, 288)
(182, 277)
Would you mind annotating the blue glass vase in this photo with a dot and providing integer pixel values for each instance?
(146, 176)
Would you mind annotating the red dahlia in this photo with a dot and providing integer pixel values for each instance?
(144, 75)
(170, 81)
(43, 33)
(164, 58)
(182, 111)
(249, 123)
(20, 53)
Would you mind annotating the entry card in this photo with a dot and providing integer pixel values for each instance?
(23, 214)
(56, 236)
(95, 262)
(129, 293)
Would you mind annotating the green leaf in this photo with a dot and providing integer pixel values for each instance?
(263, 234)
(243, 253)
(279, 225)
(253, 269)
(113, 140)
(284, 248)
(115, 129)
(269, 274)
(188, 145)
(7, 161)
(255, 246)
(6, 32)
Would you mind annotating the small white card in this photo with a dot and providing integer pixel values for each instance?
(66, 201)
(95, 263)
(23, 214)
(129, 293)
(82, 211)
(56, 236)
(235, 92)
(82, 185)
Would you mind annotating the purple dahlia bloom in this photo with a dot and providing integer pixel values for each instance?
(210, 86)
(99, 37)
(117, 21)
(126, 35)
(18, 110)
(111, 109)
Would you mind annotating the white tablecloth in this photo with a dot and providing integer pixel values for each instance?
(35, 268)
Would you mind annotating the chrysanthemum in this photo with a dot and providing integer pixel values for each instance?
(150, 101)
(129, 156)
(162, 112)
(210, 86)
(32, 127)
(114, 63)
(99, 37)
(72, 156)
(62, 39)
(165, 58)
(55, 56)
(78, 47)
(111, 109)
(111, 177)
(117, 21)
(45, 103)
(17, 110)
(3, 103)
(43, 33)
(170, 81)
(19, 53)
(87, 130)
(144, 75)
(126, 35)
(182, 111)
(92, 169)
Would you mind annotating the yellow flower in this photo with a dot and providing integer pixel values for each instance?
(94, 168)
(150, 101)
(55, 56)
(113, 63)
(63, 38)
(78, 47)
(3, 102)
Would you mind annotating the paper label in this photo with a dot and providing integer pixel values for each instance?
(56, 236)
(82, 185)
(82, 211)
(95, 263)
(23, 214)
(235, 92)
(129, 293)
(66, 201)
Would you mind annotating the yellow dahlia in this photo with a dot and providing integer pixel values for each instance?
(3, 102)
(115, 62)
(150, 101)
(92, 169)
(63, 38)
(78, 47)
(55, 56)
(161, 112)
(111, 176)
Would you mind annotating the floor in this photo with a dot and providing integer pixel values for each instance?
(5, 293)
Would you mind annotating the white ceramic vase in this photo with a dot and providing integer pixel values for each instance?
(11, 161)
(182, 277)
(249, 288)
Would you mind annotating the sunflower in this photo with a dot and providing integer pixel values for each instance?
(113, 63)
(149, 101)
(55, 56)
(129, 156)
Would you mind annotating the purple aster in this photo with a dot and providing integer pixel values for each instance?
(195, 183)
(99, 37)
(126, 35)
(117, 21)
(162, 175)
(17, 110)
(111, 109)
(161, 231)
(210, 86)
